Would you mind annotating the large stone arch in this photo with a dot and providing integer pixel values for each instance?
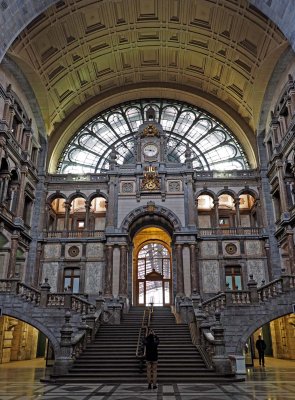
(149, 215)
(241, 322)
(35, 322)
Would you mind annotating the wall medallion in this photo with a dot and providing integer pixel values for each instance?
(231, 248)
(74, 251)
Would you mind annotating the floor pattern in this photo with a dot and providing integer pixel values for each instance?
(276, 382)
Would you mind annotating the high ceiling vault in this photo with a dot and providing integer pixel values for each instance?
(79, 50)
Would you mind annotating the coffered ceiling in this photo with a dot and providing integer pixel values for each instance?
(79, 50)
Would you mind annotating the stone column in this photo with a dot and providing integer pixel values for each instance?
(109, 270)
(67, 215)
(2, 146)
(6, 179)
(195, 279)
(87, 214)
(179, 270)
(37, 265)
(190, 202)
(12, 258)
(283, 193)
(237, 208)
(20, 204)
(123, 271)
(291, 246)
(111, 204)
(216, 212)
(267, 252)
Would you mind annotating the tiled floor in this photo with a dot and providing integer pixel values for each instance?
(20, 381)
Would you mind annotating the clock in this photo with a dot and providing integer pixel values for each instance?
(150, 150)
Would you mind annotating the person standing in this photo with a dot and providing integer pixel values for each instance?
(151, 343)
(260, 346)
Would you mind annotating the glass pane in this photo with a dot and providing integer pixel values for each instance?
(238, 282)
(67, 283)
(76, 285)
(166, 268)
(154, 293)
(141, 269)
(229, 280)
(213, 146)
(141, 292)
(167, 292)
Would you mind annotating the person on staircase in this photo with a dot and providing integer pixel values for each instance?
(260, 346)
(151, 343)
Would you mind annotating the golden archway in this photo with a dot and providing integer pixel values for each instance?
(152, 267)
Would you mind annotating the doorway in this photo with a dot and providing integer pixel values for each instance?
(152, 268)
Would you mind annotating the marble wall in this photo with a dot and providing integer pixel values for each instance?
(50, 271)
(94, 277)
(52, 251)
(210, 276)
(186, 271)
(257, 269)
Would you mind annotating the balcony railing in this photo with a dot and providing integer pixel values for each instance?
(75, 234)
(230, 231)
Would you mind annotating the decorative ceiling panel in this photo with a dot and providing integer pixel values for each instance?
(82, 48)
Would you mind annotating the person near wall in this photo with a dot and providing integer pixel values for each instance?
(260, 346)
(151, 343)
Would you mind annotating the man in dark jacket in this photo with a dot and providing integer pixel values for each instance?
(151, 343)
(260, 346)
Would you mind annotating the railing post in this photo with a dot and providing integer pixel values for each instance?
(285, 281)
(228, 296)
(200, 317)
(186, 310)
(220, 360)
(64, 360)
(252, 287)
(45, 289)
(90, 319)
(115, 309)
(99, 302)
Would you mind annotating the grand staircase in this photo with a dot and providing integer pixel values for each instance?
(111, 358)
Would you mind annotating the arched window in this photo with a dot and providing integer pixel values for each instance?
(213, 146)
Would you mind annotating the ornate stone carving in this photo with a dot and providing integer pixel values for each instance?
(150, 130)
(73, 251)
(151, 180)
(231, 248)
(174, 186)
(127, 187)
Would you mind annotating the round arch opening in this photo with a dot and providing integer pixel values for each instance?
(152, 267)
(22, 341)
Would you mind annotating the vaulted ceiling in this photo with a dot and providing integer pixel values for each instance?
(80, 50)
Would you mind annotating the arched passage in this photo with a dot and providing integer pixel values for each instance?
(152, 267)
(23, 340)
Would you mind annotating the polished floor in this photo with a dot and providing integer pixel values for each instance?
(21, 381)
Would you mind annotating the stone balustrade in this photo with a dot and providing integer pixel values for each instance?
(242, 231)
(75, 234)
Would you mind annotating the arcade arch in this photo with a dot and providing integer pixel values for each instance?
(152, 267)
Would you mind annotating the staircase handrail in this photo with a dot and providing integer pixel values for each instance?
(199, 346)
(140, 351)
(80, 340)
(276, 287)
(216, 302)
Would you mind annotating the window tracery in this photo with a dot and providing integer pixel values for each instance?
(213, 146)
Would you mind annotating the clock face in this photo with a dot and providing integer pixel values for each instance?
(150, 150)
